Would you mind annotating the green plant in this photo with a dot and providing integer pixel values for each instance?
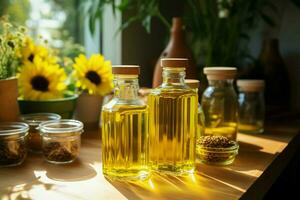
(12, 39)
(217, 29)
(221, 28)
(141, 11)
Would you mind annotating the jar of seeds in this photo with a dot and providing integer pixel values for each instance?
(34, 140)
(216, 150)
(61, 140)
(13, 149)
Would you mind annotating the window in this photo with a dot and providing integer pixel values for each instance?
(62, 22)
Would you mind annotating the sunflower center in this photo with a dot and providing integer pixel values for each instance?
(31, 57)
(93, 77)
(40, 83)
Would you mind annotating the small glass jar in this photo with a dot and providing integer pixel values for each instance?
(219, 103)
(13, 150)
(251, 106)
(61, 140)
(34, 140)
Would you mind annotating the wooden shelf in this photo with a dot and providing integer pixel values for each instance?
(260, 161)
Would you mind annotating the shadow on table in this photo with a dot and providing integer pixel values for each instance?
(161, 186)
(20, 183)
(22, 192)
(250, 157)
(282, 135)
(75, 171)
(248, 165)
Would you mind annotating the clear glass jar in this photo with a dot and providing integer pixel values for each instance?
(13, 150)
(34, 140)
(173, 120)
(125, 128)
(219, 102)
(251, 106)
(61, 140)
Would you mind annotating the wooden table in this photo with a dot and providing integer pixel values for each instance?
(260, 161)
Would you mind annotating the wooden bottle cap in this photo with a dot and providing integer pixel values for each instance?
(250, 85)
(220, 73)
(174, 62)
(192, 83)
(126, 69)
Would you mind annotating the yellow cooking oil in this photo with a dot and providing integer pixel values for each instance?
(195, 84)
(216, 125)
(201, 123)
(125, 138)
(257, 127)
(125, 141)
(173, 126)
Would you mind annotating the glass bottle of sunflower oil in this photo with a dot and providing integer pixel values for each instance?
(125, 128)
(194, 84)
(220, 104)
(173, 121)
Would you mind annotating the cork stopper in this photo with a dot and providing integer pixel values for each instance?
(126, 69)
(251, 85)
(174, 62)
(192, 83)
(220, 73)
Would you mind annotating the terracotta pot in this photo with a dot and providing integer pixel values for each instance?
(9, 108)
(177, 48)
(88, 110)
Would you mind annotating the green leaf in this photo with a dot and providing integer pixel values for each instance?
(296, 2)
(147, 23)
(92, 21)
(128, 23)
(267, 19)
(272, 6)
(123, 5)
(245, 36)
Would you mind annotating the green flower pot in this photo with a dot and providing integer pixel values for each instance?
(64, 107)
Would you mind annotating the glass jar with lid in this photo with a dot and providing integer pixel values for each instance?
(34, 140)
(219, 103)
(251, 106)
(13, 150)
(61, 140)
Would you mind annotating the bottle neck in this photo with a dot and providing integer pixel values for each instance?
(173, 76)
(221, 83)
(177, 32)
(126, 87)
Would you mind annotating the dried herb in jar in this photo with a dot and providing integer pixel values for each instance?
(12, 152)
(61, 151)
(216, 149)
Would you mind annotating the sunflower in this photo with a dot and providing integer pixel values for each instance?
(94, 74)
(39, 80)
(32, 51)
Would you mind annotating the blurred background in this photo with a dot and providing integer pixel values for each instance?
(260, 37)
